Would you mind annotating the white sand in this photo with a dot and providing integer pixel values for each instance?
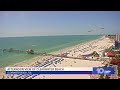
(72, 63)
(97, 45)
(101, 45)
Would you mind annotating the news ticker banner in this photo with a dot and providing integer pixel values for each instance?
(60, 70)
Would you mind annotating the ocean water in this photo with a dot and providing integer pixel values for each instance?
(38, 44)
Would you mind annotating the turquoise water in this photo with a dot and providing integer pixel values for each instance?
(38, 44)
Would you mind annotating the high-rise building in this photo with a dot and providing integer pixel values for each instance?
(117, 37)
(116, 44)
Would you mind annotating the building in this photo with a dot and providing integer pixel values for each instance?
(117, 37)
(114, 37)
(115, 62)
(111, 54)
(30, 51)
(116, 44)
(111, 36)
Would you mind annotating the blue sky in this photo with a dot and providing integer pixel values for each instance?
(42, 23)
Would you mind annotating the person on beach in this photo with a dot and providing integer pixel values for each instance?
(92, 57)
(3, 77)
(74, 61)
(43, 77)
(54, 65)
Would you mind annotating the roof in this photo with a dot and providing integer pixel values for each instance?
(111, 54)
(115, 61)
(91, 54)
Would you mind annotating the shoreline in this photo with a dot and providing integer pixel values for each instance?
(69, 62)
(52, 52)
(39, 58)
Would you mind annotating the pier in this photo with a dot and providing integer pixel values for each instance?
(30, 51)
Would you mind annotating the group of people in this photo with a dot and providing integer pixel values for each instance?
(43, 63)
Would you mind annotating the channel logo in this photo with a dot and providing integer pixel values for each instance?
(103, 70)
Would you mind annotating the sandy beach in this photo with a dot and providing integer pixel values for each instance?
(75, 51)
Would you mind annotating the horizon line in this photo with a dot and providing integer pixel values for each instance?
(43, 35)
